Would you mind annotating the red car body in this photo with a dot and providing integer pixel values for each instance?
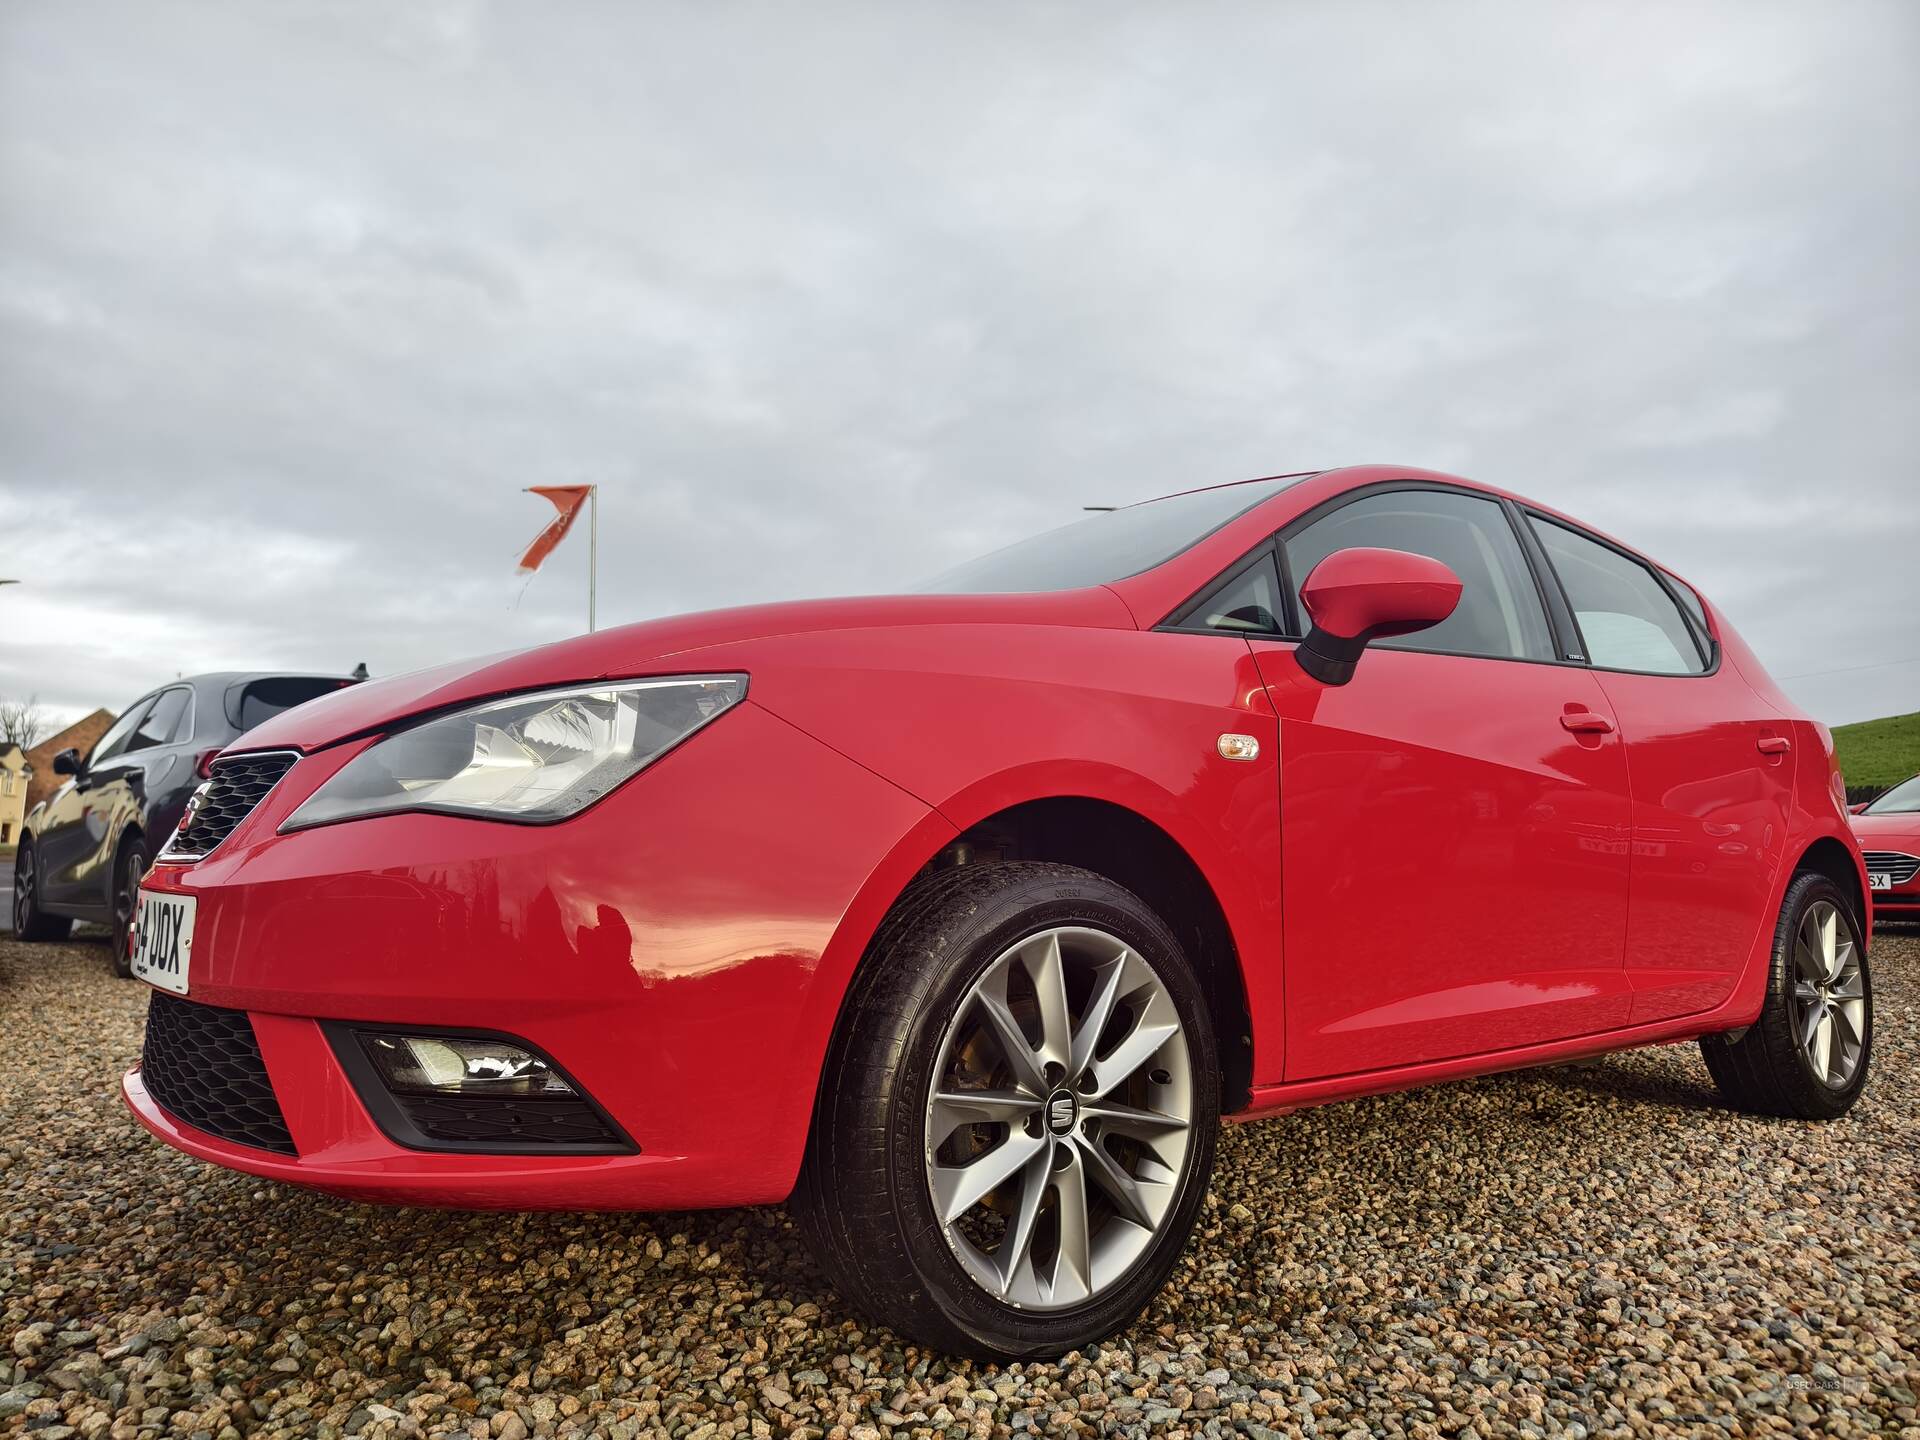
(1890, 840)
(1449, 866)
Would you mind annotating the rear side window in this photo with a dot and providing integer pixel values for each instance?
(115, 740)
(260, 700)
(1626, 617)
(1499, 614)
(165, 722)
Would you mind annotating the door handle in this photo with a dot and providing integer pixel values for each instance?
(1585, 722)
(1774, 744)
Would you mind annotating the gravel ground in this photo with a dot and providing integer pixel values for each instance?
(1595, 1250)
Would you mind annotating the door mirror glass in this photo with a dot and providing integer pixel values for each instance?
(1354, 596)
(67, 762)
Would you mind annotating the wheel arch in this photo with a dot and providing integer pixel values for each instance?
(1827, 856)
(1120, 842)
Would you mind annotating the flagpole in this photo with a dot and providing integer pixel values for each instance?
(593, 552)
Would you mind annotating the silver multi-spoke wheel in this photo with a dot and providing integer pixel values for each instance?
(1829, 995)
(1060, 1117)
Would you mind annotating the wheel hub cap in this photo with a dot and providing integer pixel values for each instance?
(1058, 1127)
(1063, 1111)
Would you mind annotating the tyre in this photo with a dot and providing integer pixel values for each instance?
(127, 874)
(1017, 1116)
(1806, 1057)
(30, 922)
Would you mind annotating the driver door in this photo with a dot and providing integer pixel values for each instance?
(1455, 819)
(77, 820)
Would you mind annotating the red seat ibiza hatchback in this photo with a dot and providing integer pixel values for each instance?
(959, 920)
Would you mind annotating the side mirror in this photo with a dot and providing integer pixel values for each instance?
(67, 762)
(1354, 596)
(1858, 806)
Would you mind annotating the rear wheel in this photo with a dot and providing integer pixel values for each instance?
(126, 898)
(30, 922)
(1806, 1056)
(1017, 1118)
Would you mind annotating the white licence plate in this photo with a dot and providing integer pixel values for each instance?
(1879, 880)
(163, 940)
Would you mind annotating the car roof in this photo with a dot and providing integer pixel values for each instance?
(1156, 592)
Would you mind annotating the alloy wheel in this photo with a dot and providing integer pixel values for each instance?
(1059, 1122)
(1829, 995)
(22, 891)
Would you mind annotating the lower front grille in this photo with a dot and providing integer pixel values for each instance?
(506, 1125)
(202, 1066)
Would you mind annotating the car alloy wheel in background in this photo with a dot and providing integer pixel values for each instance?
(126, 899)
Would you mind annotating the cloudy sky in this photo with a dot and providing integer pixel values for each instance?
(294, 299)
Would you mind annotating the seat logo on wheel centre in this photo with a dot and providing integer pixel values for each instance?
(1060, 1111)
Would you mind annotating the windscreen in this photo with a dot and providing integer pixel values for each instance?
(259, 700)
(1902, 799)
(1108, 546)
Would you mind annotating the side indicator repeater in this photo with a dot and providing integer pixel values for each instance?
(1238, 747)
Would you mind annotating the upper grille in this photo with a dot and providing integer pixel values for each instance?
(237, 784)
(1901, 867)
(202, 1066)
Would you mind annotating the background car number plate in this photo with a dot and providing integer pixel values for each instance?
(163, 940)
(1879, 880)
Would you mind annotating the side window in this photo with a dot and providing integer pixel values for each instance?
(1247, 602)
(1499, 613)
(1627, 619)
(1690, 598)
(164, 719)
(115, 740)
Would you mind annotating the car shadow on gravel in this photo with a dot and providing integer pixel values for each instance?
(1633, 1081)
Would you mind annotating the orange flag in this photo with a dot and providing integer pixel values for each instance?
(567, 499)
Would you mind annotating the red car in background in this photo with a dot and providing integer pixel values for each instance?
(1889, 831)
(960, 919)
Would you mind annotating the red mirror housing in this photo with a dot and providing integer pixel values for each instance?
(1354, 596)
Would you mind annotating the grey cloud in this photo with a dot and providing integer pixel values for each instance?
(293, 302)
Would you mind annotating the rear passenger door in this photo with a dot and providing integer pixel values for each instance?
(1454, 819)
(1712, 773)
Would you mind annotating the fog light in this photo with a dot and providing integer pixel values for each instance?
(459, 1065)
(482, 1094)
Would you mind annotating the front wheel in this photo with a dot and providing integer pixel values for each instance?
(1806, 1056)
(30, 922)
(1017, 1117)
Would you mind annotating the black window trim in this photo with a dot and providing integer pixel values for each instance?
(1707, 648)
(1183, 618)
(1558, 614)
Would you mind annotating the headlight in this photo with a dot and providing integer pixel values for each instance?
(533, 758)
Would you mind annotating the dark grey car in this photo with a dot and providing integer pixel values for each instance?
(84, 848)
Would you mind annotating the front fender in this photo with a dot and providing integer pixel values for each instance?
(973, 720)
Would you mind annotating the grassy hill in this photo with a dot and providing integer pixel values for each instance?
(1877, 753)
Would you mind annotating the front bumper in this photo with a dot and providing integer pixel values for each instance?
(679, 949)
